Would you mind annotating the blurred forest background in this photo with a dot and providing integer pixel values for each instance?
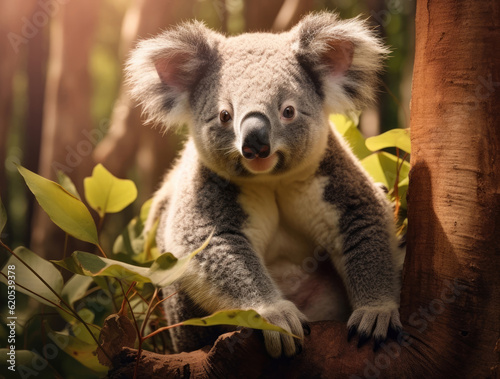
(63, 105)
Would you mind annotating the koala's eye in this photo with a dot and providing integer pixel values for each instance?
(225, 116)
(289, 112)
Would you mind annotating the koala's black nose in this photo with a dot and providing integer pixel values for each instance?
(255, 130)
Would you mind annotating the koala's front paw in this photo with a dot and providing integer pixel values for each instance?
(286, 315)
(373, 321)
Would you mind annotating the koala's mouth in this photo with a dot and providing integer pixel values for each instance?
(261, 165)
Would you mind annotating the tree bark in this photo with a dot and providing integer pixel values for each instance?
(450, 302)
(454, 200)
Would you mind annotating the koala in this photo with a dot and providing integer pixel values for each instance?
(300, 231)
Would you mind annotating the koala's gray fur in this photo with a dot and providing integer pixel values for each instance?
(300, 230)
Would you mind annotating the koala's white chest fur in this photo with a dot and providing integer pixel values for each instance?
(295, 232)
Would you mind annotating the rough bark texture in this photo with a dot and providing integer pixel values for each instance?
(454, 212)
(450, 298)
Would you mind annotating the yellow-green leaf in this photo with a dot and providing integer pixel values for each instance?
(92, 265)
(348, 129)
(66, 183)
(64, 209)
(163, 271)
(145, 210)
(399, 138)
(382, 167)
(24, 277)
(106, 193)
(83, 352)
(248, 318)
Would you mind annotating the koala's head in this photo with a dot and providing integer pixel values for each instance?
(257, 104)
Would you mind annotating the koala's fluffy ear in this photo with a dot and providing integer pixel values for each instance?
(162, 71)
(343, 57)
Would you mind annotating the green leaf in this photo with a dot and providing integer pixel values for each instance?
(145, 210)
(382, 167)
(134, 244)
(66, 183)
(92, 265)
(83, 352)
(399, 138)
(76, 288)
(164, 270)
(348, 129)
(24, 277)
(64, 209)
(402, 191)
(248, 319)
(3, 216)
(106, 193)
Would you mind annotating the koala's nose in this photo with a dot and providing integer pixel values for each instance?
(255, 136)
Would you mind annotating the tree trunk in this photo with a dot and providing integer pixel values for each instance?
(450, 302)
(15, 36)
(67, 124)
(129, 142)
(37, 74)
(454, 200)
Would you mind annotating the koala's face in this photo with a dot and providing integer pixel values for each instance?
(257, 104)
(257, 111)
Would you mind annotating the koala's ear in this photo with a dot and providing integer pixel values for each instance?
(162, 71)
(343, 57)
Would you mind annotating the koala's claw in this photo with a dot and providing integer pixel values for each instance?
(307, 329)
(377, 322)
(286, 315)
(352, 332)
(363, 339)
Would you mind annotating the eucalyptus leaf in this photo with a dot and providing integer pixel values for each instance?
(143, 215)
(26, 278)
(66, 182)
(348, 129)
(399, 138)
(131, 240)
(163, 271)
(245, 318)
(83, 352)
(382, 167)
(92, 265)
(76, 288)
(105, 193)
(64, 209)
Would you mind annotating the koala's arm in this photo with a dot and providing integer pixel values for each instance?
(367, 257)
(227, 274)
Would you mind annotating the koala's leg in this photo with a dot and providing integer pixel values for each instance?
(180, 307)
(365, 247)
(227, 274)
